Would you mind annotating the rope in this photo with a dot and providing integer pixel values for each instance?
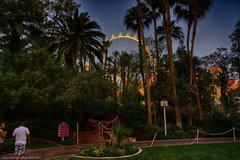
(153, 139)
(237, 129)
(194, 140)
(104, 127)
(115, 119)
(216, 134)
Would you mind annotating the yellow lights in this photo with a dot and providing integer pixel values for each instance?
(121, 36)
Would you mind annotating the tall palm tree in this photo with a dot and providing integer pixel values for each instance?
(105, 46)
(177, 32)
(192, 11)
(146, 63)
(168, 31)
(154, 15)
(79, 37)
(131, 22)
(137, 18)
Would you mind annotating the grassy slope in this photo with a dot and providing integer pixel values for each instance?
(229, 151)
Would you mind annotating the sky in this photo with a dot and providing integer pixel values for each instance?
(213, 31)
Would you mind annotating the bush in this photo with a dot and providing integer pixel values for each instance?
(235, 119)
(97, 109)
(219, 122)
(120, 131)
(67, 141)
(173, 131)
(8, 145)
(132, 115)
(111, 151)
(149, 131)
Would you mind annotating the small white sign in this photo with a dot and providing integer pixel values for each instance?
(164, 103)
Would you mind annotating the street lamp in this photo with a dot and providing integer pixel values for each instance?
(164, 104)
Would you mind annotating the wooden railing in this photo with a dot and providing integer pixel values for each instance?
(103, 129)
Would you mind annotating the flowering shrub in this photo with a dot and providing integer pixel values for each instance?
(111, 151)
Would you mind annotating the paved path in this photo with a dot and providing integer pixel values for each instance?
(48, 153)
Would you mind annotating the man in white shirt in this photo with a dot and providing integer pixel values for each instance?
(21, 135)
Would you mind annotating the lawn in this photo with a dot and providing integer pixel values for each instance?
(229, 151)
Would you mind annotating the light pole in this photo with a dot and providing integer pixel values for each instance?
(164, 104)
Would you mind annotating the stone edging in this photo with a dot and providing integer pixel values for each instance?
(127, 156)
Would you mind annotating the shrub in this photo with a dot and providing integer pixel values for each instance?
(8, 145)
(120, 132)
(132, 115)
(67, 141)
(218, 122)
(235, 119)
(111, 151)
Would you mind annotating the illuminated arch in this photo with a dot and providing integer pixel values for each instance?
(127, 36)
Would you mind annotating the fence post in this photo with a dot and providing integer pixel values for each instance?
(197, 135)
(234, 136)
(154, 138)
(77, 132)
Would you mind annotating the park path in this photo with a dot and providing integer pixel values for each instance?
(48, 153)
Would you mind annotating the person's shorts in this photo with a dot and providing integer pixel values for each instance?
(19, 150)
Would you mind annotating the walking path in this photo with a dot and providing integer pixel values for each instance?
(48, 153)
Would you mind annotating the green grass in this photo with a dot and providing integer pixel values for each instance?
(229, 151)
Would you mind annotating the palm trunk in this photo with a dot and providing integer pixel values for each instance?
(141, 55)
(115, 79)
(198, 103)
(69, 62)
(128, 79)
(156, 42)
(105, 60)
(168, 32)
(145, 65)
(189, 66)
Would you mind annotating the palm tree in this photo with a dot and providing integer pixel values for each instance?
(137, 18)
(146, 63)
(168, 31)
(131, 22)
(177, 32)
(192, 11)
(79, 37)
(105, 46)
(154, 14)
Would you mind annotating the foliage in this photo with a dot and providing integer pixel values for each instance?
(173, 131)
(132, 115)
(235, 39)
(108, 151)
(98, 109)
(235, 119)
(218, 122)
(120, 132)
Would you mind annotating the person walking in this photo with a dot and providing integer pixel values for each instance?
(21, 135)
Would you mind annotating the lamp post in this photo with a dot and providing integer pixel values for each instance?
(164, 104)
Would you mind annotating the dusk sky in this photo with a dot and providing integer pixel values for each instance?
(213, 31)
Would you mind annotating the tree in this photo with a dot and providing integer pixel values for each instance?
(172, 76)
(235, 39)
(235, 48)
(136, 18)
(79, 38)
(154, 13)
(22, 24)
(105, 46)
(192, 11)
(177, 32)
(131, 21)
